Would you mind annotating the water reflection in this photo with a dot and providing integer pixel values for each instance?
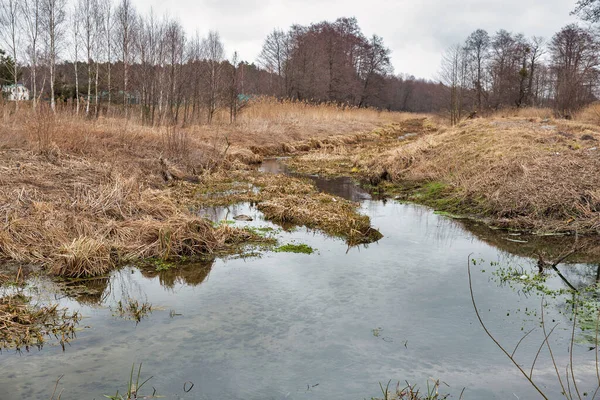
(191, 274)
(343, 187)
(91, 291)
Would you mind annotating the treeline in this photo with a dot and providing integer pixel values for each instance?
(336, 62)
(490, 72)
(98, 56)
(95, 56)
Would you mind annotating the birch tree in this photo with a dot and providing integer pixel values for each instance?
(53, 18)
(126, 19)
(214, 54)
(31, 25)
(76, 31)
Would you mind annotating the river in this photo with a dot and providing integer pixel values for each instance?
(330, 325)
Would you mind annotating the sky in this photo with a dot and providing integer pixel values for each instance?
(417, 31)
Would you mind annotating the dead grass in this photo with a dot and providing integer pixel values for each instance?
(539, 176)
(330, 214)
(79, 197)
(590, 114)
(285, 200)
(267, 121)
(23, 325)
(524, 112)
(348, 155)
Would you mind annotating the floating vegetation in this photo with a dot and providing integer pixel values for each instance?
(23, 325)
(133, 310)
(263, 231)
(294, 248)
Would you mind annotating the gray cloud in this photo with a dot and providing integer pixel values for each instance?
(416, 31)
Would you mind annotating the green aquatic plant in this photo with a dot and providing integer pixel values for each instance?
(294, 248)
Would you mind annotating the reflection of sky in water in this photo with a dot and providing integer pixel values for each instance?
(266, 328)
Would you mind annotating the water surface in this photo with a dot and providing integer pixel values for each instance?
(330, 325)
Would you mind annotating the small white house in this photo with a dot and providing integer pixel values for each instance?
(15, 93)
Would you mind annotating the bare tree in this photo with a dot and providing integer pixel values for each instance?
(376, 61)
(126, 18)
(536, 52)
(477, 48)
(234, 93)
(53, 17)
(31, 24)
(453, 74)
(274, 56)
(98, 17)
(588, 10)
(76, 31)
(10, 24)
(575, 60)
(88, 11)
(213, 54)
(107, 31)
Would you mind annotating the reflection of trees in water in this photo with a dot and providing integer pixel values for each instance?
(582, 276)
(524, 245)
(122, 285)
(191, 274)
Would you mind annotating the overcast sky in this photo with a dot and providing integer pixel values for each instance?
(417, 31)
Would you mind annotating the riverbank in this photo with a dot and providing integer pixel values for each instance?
(533, 175)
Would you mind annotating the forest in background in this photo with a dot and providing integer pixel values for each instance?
(96, 56)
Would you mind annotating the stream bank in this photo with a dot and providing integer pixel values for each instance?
(331, 324)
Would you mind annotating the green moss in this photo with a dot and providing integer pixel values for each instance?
(294, 248)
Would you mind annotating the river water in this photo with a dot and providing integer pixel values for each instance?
(330, 325)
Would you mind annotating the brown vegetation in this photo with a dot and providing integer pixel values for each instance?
(81, 196)
(23, 325)
(539, 176)
(526, 172)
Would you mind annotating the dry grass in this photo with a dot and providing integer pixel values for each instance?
(330, 214)
(270, 122)
(348, 155)
(590, 114)
(525, 112)
(79, 197)
(522, 174)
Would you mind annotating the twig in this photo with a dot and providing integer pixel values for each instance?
(518, 344)
(56, 386)
(494, 339)
(562, 386)
(540, 349)
(571, 351)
